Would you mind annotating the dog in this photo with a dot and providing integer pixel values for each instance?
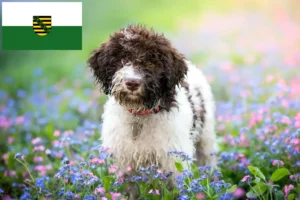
(157, 101)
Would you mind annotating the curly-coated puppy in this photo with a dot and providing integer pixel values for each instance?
(158, 102)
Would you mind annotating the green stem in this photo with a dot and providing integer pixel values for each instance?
(208, 188)
(28, 170)
(271, 193)
(253, 190)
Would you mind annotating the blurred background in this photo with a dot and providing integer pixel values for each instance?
(191, 25)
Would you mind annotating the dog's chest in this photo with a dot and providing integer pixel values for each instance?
(159, 134)
(137, 128)
(147, 132)
(149, 138)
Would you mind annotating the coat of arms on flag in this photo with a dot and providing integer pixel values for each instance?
(41, 25)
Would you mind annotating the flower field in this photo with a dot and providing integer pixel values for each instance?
(50, 134)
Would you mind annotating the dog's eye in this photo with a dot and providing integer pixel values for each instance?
(151, 66)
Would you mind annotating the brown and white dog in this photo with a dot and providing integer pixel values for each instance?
(158, 102)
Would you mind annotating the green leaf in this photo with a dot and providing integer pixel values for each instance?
(167, 195)
(279, 194)
(232, 189)
(260, 188)
(291, 197)
(257, 180)
(11, 161)
(49, 129)
(195, 171)
(251, 194)
(99, 172)
(279, 174)
(178, 166)
(256, 172)
(106, 182)
(175, 192)
(257, 190)
(215, 196)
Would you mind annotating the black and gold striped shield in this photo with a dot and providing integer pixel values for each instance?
(41, 25)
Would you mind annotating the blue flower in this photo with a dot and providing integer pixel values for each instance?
(25, 196)
(21, 93)
(144, 170)
(61, 192)
(216, 173)
(69, 195)
(183, 197)
(217, 185)
(1, 191)
(244, 130)
(179, 179)
(157, 176)
(89, 197)
(134, 178)
(91, 156)
(103, 155)
(76, 178)
(205, 169)
(92, 181)
(196, 187)
(15, 184)
(59, 175)
(226, 156)
(186, 173)
(226, 196)
(40, 182)
(145, 178)
(274, 150)
(18, 155)
(181, 155)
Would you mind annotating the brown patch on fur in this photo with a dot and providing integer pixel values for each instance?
(162, 65)
(199, 154)
(136, 130)
(198, 118)
(203, 110)
(187, 87)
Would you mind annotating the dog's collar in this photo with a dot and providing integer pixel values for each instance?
(145, 112)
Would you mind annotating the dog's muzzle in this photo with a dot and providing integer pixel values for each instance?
(133, 84)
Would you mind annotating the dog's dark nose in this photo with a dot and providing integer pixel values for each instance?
(132, 83)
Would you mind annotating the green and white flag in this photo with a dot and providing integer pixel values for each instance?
(41, 25)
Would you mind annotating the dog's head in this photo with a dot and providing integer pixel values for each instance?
(139, 67)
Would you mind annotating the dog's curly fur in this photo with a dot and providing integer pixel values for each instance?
(185, 121)
(161, 64)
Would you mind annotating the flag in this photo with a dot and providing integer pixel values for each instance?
(41, 25)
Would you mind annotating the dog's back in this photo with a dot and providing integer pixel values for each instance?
(202, 102)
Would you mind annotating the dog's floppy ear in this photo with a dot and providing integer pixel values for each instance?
(175, 69)
(104, 63)
(178, 68)
(173, 62)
